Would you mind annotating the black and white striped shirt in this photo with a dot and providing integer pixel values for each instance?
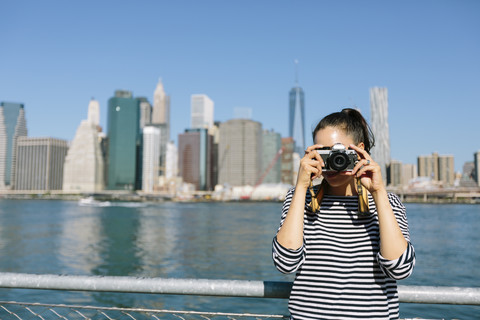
(340, 272)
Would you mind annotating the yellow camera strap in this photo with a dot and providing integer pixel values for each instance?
(317, 197)
(363, 207)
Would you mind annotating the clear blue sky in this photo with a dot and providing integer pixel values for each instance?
(56, 55)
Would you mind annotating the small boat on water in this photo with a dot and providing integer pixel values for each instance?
(91, 202)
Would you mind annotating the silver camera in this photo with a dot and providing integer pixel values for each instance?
(338, 158)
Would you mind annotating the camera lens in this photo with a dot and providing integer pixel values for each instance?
(338, 161)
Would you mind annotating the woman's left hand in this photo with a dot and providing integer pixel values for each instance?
(368, 171)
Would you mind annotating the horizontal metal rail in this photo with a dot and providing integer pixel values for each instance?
(22, 310)
(209, 287)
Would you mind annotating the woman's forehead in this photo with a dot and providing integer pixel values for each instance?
(332, 135)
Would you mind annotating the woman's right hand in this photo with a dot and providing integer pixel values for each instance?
(310, 167)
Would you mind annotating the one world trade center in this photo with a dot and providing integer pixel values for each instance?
(296, 127)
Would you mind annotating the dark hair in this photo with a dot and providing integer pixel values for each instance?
(353, 123)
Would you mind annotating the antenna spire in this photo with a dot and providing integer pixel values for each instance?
(296, 72)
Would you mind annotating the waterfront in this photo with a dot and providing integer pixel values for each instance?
(207, 240)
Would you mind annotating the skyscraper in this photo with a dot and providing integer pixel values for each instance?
(171, 161)
(476, 162)
(409, 172)
(151, 157)
(446, 169)
(271, 159)
(12, 126)
(172, 180)
(84, 164)
(161, 105)
(394, 173)
(124, 142)
(195, 158)
(296, 124)
(93, 115)
(437, 167)
(40, 163)
(240, 152)
(201, 111)
(288, 170)
(145, 112)
(379, 123)
(161, 119)
(428, 166)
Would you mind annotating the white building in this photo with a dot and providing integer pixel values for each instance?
(202, 108)
(379, 123)
(151, 157)
(161, 119)
(83, 170)
(93, 115)
(171, 164)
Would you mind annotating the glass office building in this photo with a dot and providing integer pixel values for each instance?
(196, 158)
(296, 120)
(124, 142)
(12, 126)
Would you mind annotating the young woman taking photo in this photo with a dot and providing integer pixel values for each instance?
(347, 238)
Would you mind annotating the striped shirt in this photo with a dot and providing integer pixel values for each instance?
(340, 273)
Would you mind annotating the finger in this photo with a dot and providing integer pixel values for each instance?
(311, 153)
(309, 164)
(361, 172)
(365, 164)
(311, 172)
(319, 167)
(318, 158)
(313, 147)
(315, 174)
(361, 151)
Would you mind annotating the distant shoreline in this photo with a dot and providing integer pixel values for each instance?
(460, 196)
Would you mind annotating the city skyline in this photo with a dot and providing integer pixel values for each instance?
(429, 67)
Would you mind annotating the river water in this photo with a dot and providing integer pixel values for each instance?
(209, 241)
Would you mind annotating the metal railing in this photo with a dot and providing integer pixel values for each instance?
(197, 287)
(19, 310)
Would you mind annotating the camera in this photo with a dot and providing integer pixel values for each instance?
(338, 158)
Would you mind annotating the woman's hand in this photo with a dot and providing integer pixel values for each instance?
(310, 166)
(368, 171)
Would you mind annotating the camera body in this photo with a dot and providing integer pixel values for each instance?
(338, 158)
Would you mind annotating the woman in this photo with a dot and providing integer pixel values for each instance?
(346, 261)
